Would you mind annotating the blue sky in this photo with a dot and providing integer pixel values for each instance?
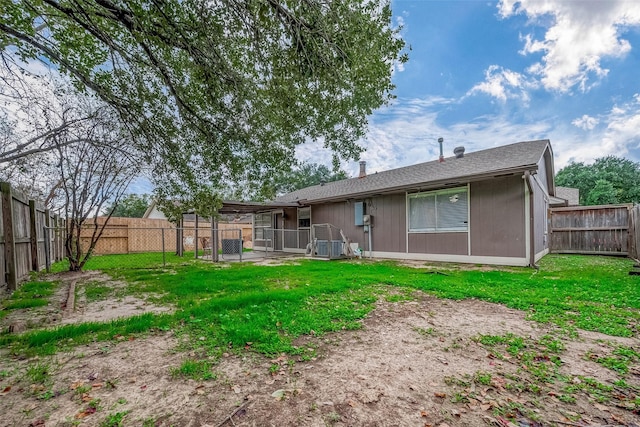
(488, 73)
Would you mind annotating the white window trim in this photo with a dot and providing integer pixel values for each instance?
(298, 218)
(437, 192)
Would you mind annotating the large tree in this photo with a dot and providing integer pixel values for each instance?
(222, 90)
(608, 180)
(306, 175)
(129, 206)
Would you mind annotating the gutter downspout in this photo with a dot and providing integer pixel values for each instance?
(532, 243)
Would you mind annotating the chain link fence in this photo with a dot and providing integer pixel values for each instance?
(123, 246)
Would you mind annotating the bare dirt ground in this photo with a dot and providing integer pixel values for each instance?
(411, 364)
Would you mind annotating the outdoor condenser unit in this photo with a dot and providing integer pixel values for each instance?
(322, 247)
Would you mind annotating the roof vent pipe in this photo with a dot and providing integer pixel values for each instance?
(440, 141)
(363, 169)
(459, 152)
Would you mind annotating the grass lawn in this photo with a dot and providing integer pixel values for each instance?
(233, 307)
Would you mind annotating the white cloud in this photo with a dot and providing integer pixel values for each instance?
(580, 35)
(407, 132)
(585, 122)
(503, 84)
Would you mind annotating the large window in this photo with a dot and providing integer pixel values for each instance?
(439, 211)
(261, 223)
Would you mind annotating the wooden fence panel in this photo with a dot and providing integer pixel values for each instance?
(3, 280)
(22, 235)
(598, 230)
(634, 233)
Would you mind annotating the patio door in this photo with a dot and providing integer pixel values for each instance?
(278, 225)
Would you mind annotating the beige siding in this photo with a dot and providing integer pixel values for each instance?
(498, 217)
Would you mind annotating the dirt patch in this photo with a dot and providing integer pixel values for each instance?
(69, 303)
(410, 365)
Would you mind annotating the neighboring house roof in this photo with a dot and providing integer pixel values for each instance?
(453, 171)
(571, 195)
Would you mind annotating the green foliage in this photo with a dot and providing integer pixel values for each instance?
(220, 91)
(608, 180)
(306, 175)
(114, 420)
(129, 206)
(195, 370)
(270, 306)
(30, 295)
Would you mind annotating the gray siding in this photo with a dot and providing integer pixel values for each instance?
(438, 243)
(389, 221)
(498, 217)
(540, 207)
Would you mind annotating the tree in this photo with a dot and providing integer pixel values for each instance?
(218, 91)
(603, 193)
(608, 180)
(92, 172)
(129, 206)
(306, 175)
(72, 148)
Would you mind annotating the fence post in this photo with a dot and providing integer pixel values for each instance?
(164, 255)
(33, 236)
(9, 240)
(214, 243)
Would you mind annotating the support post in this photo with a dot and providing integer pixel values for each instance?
(33, 236)
(164, 253)
(9, 240)
(195, 244)
(47, 240)
(214, 244)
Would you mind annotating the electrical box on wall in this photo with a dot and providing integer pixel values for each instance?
(366, 219)
(358, 208)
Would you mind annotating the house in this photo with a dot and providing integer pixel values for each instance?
(488, 206)
(565, 196)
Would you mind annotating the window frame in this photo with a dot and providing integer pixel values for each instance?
(435, 194)
(307, 216)
(263, 225)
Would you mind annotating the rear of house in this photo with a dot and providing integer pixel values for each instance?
(488, 206)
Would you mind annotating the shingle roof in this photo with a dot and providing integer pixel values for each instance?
(494, 161)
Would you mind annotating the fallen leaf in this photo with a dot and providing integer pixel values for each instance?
(96, 385)
(76, 384)
(143, 387)
(352, 403)
(424, 414)
(278, 394)
(601, 407)
(237, 389)
(86, 397)
(440, 395)
(37, 423)
(486, 406)
(6, 390)
(90, 410)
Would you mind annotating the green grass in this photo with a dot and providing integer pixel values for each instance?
(194, 369)
(29, 295)
(233, 307)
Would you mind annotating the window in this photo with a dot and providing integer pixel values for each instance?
(439, 211)
(261, 222)
(304, 217)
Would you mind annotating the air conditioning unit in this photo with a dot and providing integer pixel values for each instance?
(322, 247)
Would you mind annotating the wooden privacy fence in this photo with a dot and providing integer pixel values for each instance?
(593, 230)
(136, 235)
(634, 233)
(23, 242)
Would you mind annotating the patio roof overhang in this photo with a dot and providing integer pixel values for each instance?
(234, 207)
